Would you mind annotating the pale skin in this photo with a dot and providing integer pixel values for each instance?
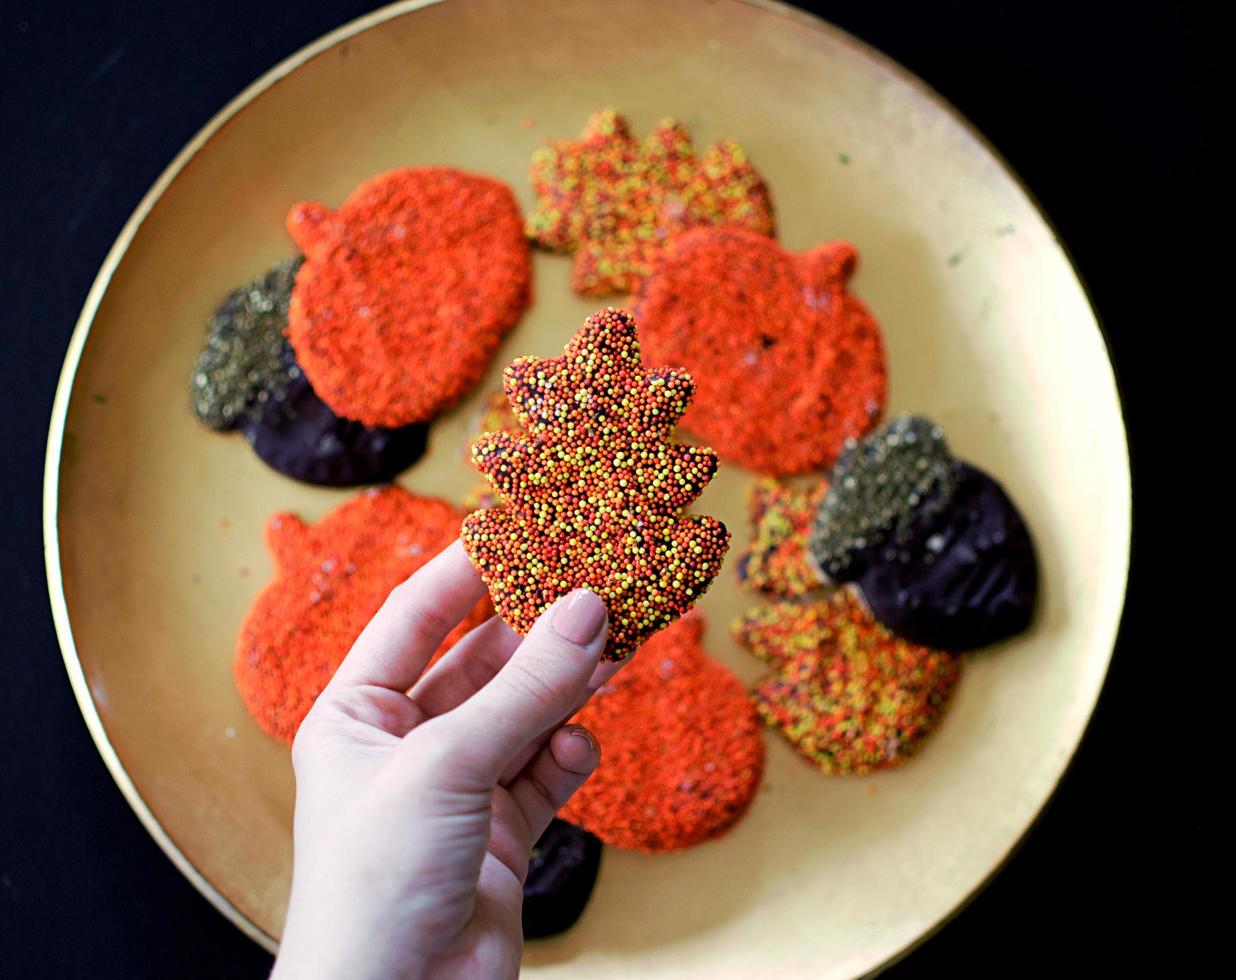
(419, 794)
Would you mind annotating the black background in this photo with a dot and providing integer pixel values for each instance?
(1105, 116)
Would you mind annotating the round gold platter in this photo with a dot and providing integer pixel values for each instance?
(153, 525)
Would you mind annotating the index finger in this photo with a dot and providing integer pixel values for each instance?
(403, 636)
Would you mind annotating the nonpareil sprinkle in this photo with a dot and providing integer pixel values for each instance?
(682, 748)
(615, 202)
(406, 291)
(876, 490)
(776, 559)
(848, 695)
(330, 579)
(790, 363)
(593, 489)
(243, 362)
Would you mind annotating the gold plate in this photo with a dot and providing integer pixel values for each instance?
(153, 525)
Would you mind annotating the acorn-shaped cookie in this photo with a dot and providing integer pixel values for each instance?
(562, 871)
(940, 553)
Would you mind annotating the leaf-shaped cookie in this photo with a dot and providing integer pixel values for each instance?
(849, 695)
(593, 489)
(614, 202)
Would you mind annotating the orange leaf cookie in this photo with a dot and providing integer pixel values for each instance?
(682, 748)
(790, 364)
(592, 489)
(406, 291)
(615, 202)
(330, 579)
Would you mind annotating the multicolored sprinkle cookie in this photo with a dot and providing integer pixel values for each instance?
(594, 489)
(776, 560)
(615, 202)
(848, 695)
(406, 291)
(561, 873)
(330, 579)
(790, 363)
(243, 363)
(683, 748)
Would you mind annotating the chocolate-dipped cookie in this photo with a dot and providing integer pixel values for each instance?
(965, 576)
(296, 433)
(937, 548)
(561, 873)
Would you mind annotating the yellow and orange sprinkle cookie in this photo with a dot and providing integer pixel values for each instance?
(777, 559)
(615, 202)
(593, 489)
(848, 695)
(406, 291)
(683, 749)
(330, 579)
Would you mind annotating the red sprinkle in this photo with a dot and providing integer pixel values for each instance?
(682, 748)
(790, 363)
(406, 291)
(330, 579)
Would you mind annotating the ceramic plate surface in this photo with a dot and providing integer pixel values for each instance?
(154, 525)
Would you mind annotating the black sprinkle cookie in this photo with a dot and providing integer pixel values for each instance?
(965, 577)
(561, 873)
(296, 433)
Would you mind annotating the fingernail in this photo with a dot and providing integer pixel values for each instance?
(586, 736)
(579, 617)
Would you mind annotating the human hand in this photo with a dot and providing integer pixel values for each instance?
(416, 812)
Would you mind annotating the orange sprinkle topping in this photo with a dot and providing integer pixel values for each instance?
(330, 579)
(790, 364)
(406, 291)
(682, 748)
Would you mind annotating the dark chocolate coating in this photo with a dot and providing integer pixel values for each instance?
(299, 436)
(965, 577)
(561, 874)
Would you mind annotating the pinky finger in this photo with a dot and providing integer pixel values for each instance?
(553, 776)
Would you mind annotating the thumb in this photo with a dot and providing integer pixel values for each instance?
(542, 683)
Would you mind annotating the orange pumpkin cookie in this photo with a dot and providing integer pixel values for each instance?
(330, 579)
(592, 489)
(789, 363)
(615, 202)
(682, 748)
(406, 291)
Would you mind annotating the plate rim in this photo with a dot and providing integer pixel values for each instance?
(99, 287)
